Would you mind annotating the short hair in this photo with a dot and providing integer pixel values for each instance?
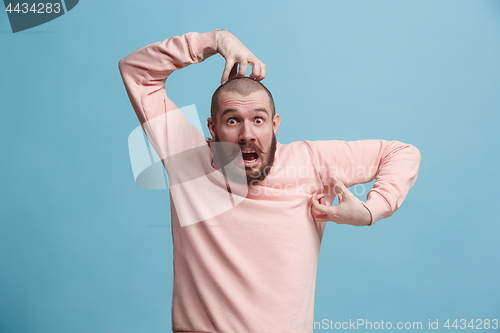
(243, 86)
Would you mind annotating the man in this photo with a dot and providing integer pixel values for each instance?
(252, 267)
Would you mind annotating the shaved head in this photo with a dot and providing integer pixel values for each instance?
(243, 86)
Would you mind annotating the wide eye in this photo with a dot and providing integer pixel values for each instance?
(231, 121)
(259, 121)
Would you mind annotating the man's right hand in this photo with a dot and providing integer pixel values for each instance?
(235, 53)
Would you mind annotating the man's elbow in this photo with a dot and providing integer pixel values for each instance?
(416, 158)
(125, 68)
(121, 64)
(418, 155)
(409, 148)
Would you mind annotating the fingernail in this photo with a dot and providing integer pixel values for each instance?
(335, 178)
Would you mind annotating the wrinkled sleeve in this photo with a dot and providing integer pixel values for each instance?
(144, 73)
(394, 166)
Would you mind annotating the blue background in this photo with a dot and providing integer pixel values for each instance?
(84, 249)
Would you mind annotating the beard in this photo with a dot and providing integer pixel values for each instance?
(224, 156)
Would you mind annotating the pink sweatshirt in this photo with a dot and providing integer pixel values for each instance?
(249, 264)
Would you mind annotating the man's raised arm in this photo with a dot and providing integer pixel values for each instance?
(145, 71)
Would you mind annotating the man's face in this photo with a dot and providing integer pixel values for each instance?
(247, 121)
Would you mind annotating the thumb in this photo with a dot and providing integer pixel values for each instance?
(317, 205)
(339, 188)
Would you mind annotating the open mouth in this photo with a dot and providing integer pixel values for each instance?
(250, 157)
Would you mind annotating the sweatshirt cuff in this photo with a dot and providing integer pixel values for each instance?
(378, 207)
(206, 45)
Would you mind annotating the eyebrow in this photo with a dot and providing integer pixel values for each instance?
(234, 110)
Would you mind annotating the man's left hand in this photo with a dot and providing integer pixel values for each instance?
(350, 209)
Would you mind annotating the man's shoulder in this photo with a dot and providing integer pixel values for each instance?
(291, 145)
(308, 144)
(308, 148)
(296, 150)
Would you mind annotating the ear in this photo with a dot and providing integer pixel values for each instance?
(211, 127)
(276, 123)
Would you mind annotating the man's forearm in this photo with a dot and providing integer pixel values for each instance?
(145, 71)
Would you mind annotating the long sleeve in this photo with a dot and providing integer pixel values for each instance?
(144, 73)
(394, 166)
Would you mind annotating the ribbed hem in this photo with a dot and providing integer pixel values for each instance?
(378, 206)
(206, 46)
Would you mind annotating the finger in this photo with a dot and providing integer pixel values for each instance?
(343, 192)
(227, 70)
(315, 212)
(262, 71)
(255, 71)
(319, 217)
(322, 199)
(317, 206)
(325, 202)
(259, 70)
(233, 72)
(338, 187)
(243, 69)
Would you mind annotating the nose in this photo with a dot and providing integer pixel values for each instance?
(246, 134)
